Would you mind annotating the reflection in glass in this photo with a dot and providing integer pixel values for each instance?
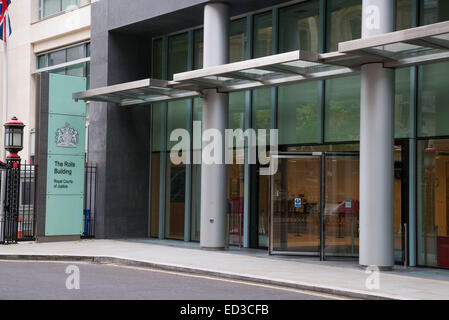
(196, 176)
(299, 114)
(177, 54)
(433, 102)
(57, 57)
(296, 224)
(402, 103)
(342, 109)
(399, 172)
(404, 12)
(263, 211)
(198, 49)
(342, 206)
(155, 192)
(236, 197)
(263, 35)
(236, 172)
(75, 53)
(433, 203)
(345, 22)
(157, 59)
(262, 101)
(299, 27)
(175, 200)
(434, 11)
(237, 41)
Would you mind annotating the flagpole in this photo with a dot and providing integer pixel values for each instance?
(5, 91)
(4, 118)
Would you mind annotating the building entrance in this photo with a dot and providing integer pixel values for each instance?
(315, 205)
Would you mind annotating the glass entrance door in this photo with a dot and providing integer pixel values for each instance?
(296, 205)
(315, 205)
(341, 221)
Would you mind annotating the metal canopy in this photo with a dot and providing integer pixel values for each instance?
(137, 92)
(271, 71)
(421, 45)
(415, 46)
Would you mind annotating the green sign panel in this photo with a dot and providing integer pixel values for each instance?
(65, 159)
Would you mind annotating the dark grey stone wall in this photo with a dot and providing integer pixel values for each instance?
(42, 152)
(119, 137)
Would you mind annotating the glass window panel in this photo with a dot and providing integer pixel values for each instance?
(404, 13)
(155, 193)
(434, 11)
(51, 7)
(262, 102)
(175, 201)
(157, 59)
(88, 50)
(88, 75)
(342, 112)
(56, 57)
(237, 103)
(433, 102)
(298, 114)
(76, 70)
(402, 103)
(196, 203)
(263, 35)
(58, 71)
(345, 22)
(198, 49)
(42, 61)
(157, 126)
(177, 118)
(177, 54)
(433, 203)
(236, 115)
(75, 53)
(299, 27)
(69, 4)
(237, 41)
(197, 116)
(236, 200)
(196, 176)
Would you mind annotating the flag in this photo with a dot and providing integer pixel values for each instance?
(5, 23)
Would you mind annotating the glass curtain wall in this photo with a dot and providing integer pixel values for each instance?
(323, 113)
(299, 27)
(433, 166)
(433, 151)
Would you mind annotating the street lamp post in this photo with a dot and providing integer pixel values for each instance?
(13, 144)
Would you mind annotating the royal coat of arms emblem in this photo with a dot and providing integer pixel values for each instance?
(67, 137)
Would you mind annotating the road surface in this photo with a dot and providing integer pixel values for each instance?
(51, 280)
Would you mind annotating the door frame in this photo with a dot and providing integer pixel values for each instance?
(298, 155)
(306, 155)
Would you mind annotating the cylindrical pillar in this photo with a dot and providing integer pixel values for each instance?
(215, 116)
(377, 145)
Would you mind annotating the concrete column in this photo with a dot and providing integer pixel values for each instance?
(377, 145)
(215, 116)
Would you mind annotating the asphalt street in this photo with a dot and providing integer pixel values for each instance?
(51, 280)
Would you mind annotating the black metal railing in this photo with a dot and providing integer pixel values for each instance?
(27, 211)
(17, 189)
(21, 226)
(90, 183)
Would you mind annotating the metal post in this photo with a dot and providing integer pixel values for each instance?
(377, 145)
(12, 201)
(215, 116)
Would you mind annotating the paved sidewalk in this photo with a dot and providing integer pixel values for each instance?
(254, 265)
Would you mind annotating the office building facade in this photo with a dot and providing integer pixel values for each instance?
(363, 144)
